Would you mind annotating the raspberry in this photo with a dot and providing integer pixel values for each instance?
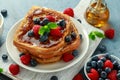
(108, 63)
(78, 77)
(110, 33)
(69, 11)
(50, 18)
(36, 29)
(93, 75)
(14, 69)
(56, 32)
(67, 57)
(25, 59)
(113, 75)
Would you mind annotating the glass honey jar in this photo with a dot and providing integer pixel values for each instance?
(97, 14)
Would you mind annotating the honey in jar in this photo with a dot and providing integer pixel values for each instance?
(97, 14)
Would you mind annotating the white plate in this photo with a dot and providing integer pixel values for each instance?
(47, 68)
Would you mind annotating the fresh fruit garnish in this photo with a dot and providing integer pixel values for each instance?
(56, 32)
(33, 62)
(61, 23)
(36, 29)
(43, 38)
(45, 21)
(30, 33)
(50, 18)
(14, 69)
(4, 57)
(99, 64)
(54, 78)
(36, 21)
(73, 35)
(93, 34)
(108, 63)
(25, 59)
(75, 53)
(4, 12)
(93, 64)
(93, 75)
(110, 33)
(68, 39)
(67, 57)
(69, 11)
(103, 74)
(1, 70)
(113, 75)
(78, 77)
(102, 48)
(107, 70)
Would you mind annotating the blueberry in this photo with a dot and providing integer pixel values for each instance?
(94, 64)
(79, 20)
(21, 54)
(99, 70)
(107, 69)
(75, 53)
(103, 59)
(45, 21)
(100, 64)
(43, 38)
(4, 12)
(30, 33)
(4, 57)
(95, 58)
(118, 71)
(54, 78)
(88, 69)
(68, 38)
(118, 75)
(80, 36)
(61, 23)
(118, 66)
(36, 20)
(89, 63)
(115, 64)
(100, 79)
(33, 62)
(103, 74)
(73, 35)
(108, 56)
(102, 48)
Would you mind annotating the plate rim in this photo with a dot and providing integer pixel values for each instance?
(48, 71)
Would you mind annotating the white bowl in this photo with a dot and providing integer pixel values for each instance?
(116, 58)
(1, 24)
(53, 67)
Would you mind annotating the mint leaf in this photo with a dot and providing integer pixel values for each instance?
(99, 34)
(1, 70)
(44, 29)
(92, 36)
(52, 25)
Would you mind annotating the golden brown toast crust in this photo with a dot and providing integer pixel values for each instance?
(45, 54)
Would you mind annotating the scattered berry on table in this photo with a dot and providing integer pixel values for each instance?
(79, 20)
(67, 57)
(56, 32)
(61, 23)
(4, 57)
(102, 48)
(33, 62)
(68, 39)
(54, 78)
(30, 33)
(4, 12)
(14, 69)
(78, 77)
(36, 21)
(50, 18)
(21, 54)
(75, 53)
(69, 11)
(25, 59)
(110, 33)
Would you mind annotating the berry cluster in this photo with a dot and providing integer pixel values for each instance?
(103, 68)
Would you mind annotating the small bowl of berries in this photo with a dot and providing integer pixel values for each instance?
(102, 67)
